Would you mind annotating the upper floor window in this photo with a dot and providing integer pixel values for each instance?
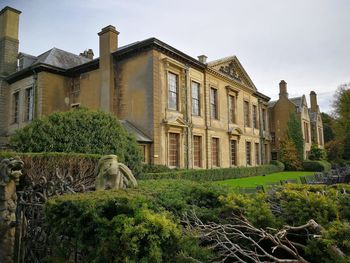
(29, 100)
(273, 137)
(195, 98)
(306, 132)
(15, 107)
(255, 117)
(231, 108)
(213, 103)
(264, 119)
(246, 114)
(172, 91)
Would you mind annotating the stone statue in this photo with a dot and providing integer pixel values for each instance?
(10, 172)
(113, 175)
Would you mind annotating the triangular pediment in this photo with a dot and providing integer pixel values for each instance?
(175, 121)
(233, 69)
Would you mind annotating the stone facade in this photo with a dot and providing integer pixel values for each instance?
(185, 112)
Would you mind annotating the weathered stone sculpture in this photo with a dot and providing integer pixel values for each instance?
(113, 175)
(10, 172)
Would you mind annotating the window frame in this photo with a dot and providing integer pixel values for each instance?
(177, 160)
(255, 117)
(176, 92)
(15, 107)
(248, 155)
(199, 151)
(257, 153)
(233, 153)
(214, 106)
(232, 108)
(246, 112)
(198, 99)
(215, 162)
(29, 104)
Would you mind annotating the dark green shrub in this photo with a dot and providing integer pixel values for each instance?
(320, 249)
(155, 168)
(134, 225)
(317, 154)
(316, 166)
(214, 174)
(279, 164)
(79, 131)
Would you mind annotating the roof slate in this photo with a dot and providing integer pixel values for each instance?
(140, 136)
(61, 59)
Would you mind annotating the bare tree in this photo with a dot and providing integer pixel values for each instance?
(242, 242)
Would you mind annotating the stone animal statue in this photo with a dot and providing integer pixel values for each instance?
(113, 175)
(10, 172)
(10, 169)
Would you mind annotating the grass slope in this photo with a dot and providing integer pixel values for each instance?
(263, 180)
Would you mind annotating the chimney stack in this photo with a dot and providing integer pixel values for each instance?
(313, 101)
(88, 53)
(202, 58)
(283, 89)
(108, 44)
(9, 22)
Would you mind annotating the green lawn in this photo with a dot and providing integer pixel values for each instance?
(263, 180)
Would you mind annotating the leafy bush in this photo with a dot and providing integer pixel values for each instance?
(134, 225)
(316, 166)
(289, 156)
(317, 154)
(214, 174)
(79, 131)
(120, 228)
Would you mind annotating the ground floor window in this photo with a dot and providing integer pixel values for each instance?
(257, 155)
(248, 150)
(174, 149)
(215, 152)
(197, 151)
(234, 152)
(274, 156)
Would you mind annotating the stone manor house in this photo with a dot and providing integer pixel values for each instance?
(184, 112)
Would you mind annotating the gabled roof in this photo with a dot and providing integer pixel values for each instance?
(61, 59)
(139, 135)
(297, 101)
(272, 103)
(231, 67)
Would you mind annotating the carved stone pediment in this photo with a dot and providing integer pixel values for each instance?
(233, 69)
(230, 71)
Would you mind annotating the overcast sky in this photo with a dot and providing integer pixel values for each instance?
(304, 42)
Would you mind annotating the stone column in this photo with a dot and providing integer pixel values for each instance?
(10, 171)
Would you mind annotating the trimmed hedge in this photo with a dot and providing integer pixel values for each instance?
(279, 164)
(214, 174)
(316, 166)
(46, 164)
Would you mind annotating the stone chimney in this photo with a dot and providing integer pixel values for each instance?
(283, 89)
(313, 101)
(108, 44)
(202, 58)
(88, 53)
(9, 22)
